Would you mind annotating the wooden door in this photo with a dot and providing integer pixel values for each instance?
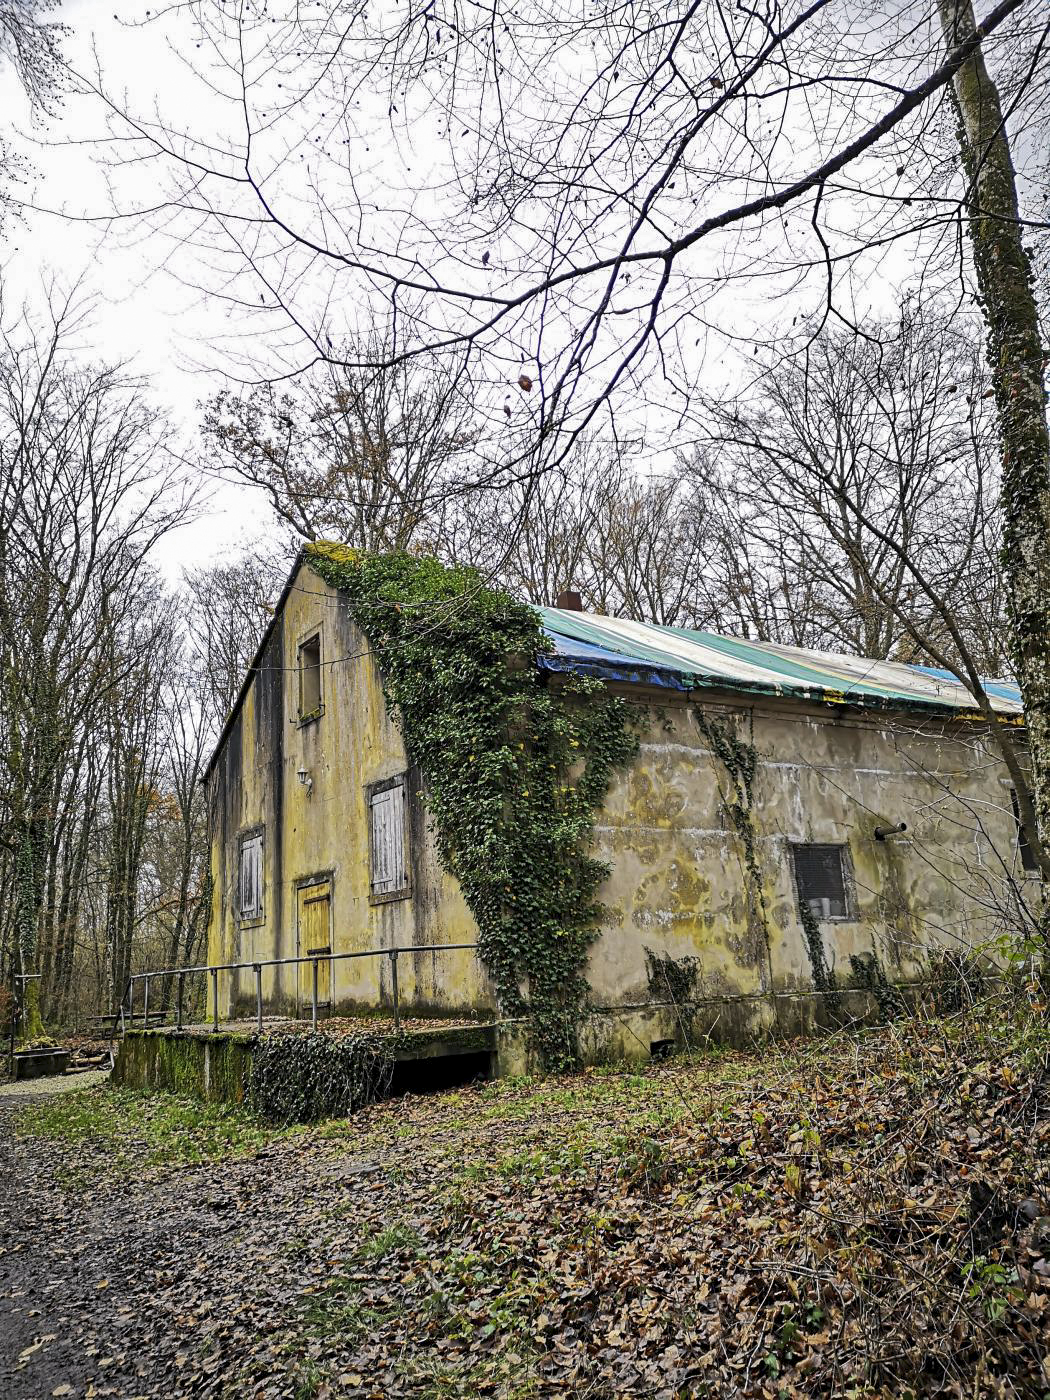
(315, 936)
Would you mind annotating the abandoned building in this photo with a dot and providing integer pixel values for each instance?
(884, 829)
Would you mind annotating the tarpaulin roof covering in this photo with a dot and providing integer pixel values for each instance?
(676, 658)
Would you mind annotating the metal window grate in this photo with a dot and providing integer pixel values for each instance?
(821, 880)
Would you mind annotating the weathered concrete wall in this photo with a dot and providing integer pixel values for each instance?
(213, 1067)
(321, 832)
(217, 1066)
(679, 883)
(679, 887)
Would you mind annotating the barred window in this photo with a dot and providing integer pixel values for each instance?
(821, 880)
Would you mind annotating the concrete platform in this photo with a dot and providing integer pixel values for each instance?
(38, 1064)
(216, 1064)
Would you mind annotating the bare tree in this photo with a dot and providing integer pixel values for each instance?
(604, 187)
(853, 469)
(182, 853)
(877, 448)
(1017, 358)
(368, 456)
(228, 608)
(632, 543)
(814, 126)
(146, 656)
(757, 582)
(30, 45)
(85, 494)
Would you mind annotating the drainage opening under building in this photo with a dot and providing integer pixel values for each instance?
(428, 1076)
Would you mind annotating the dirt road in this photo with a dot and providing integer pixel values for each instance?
(157, 1287)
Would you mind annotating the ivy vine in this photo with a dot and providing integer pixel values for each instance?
(739, 758)
(823, 976)
(303, 1078)
(514, 770)
(868, 975)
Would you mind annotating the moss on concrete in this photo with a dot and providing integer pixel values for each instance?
(215, 1068)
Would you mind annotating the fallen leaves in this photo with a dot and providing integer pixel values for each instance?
(867, 1213)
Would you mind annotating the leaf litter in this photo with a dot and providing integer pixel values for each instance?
(865, 1215)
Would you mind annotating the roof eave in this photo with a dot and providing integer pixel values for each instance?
(253, 668)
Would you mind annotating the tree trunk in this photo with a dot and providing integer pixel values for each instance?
(1015, 354)
(29, 898)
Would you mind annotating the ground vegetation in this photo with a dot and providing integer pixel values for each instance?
(866, 1214)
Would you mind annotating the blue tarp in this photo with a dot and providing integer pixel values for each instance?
(1004, 690)
(571, 655)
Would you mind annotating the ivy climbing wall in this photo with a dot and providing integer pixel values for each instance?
(316, 831)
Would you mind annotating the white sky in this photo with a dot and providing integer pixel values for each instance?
(140, 314)
(167, 329)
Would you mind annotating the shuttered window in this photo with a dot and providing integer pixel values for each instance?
(250, 878)
(821, 880)
(387, 839)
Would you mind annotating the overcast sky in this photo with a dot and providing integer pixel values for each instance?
(147, 309)
(139, 313)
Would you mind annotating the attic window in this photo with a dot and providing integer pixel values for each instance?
(1029, 861)
(821, 880)
(310, 677)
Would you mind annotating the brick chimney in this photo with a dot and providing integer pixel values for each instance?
(569, 599)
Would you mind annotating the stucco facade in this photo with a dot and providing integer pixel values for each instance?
(315, 830)
(680, 886)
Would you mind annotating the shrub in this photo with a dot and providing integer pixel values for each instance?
(301, 1078)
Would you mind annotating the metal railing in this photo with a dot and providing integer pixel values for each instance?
(127, 1006)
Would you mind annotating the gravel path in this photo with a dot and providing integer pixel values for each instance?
(159, 1287)
(52, 1084)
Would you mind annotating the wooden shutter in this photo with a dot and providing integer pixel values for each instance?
(388, 840)
(249, 896)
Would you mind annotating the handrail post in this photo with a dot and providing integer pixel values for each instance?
(314, 998)
(258, 997)
(145, 1002)
(214, 997)
(393, 987)
(178, 1000)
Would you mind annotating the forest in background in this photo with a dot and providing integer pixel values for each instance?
(116, 680)
(871, 483)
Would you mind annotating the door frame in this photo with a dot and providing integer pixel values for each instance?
(306, 882)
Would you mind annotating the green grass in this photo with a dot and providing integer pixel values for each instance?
(394, 1238)
(336, 1309)
(126, 1130)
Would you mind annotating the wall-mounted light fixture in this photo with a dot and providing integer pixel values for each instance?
(882, 832)
(306, 778)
